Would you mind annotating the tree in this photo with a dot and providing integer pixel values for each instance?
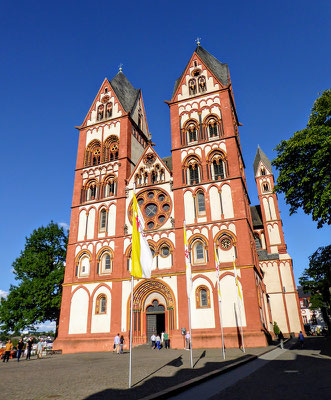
(276, 328)
(39, 270)
(316, 279)
(304, 164)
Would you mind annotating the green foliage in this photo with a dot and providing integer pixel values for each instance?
(304, 164)
(316, 279)
(276, 328)
(39, 270)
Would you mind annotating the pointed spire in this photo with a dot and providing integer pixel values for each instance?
(120, 67)
(260, 156)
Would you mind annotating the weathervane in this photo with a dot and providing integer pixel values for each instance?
(198, 40)
(120, 67)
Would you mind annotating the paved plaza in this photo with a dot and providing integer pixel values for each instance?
(287, 374)
(105, 375)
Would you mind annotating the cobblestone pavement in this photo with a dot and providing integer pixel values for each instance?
(105, 375)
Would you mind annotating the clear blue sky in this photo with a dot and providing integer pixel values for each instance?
(54, 57)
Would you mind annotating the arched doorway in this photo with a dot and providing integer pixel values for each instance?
(155, 319)
(149, 316)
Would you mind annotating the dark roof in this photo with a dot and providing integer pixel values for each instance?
(260, 156)
(168, 162)
(124, 91)
(264, 256)
(303, 294)
(256, 217)
(220, 70)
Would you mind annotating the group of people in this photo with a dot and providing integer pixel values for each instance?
(21, 347)
(118, 344)
(281, 339)
(157, 341)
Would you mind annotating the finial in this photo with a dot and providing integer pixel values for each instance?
(198, 40)
(120, 67)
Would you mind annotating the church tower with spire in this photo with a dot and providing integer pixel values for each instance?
(275, 262)
(203, 184)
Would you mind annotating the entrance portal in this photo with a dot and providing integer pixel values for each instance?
(155, 319)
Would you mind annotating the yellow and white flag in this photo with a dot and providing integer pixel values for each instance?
(236, 278)
(142, 258)
(217, 262)
(188, 264)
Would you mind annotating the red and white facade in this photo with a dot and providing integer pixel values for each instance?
(203, 183)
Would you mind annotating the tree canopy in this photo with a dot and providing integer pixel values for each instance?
(304, 164)
(316, 279)
(39, 271)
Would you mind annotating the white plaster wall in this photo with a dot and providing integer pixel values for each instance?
(90, 224)
(273, 232)
(78, 312)
(92, 134)
(126, 292)
(277, 311)
(189, 207)
(272, 208)
(266, 209)
(171, 281)
(293, 312)
(202, 318)
(81, 225)
(112, 220)
(215, 204)
(101, 322)
(164, 262)
(230, 305)
(271, 277)
(227, 201)
(111, 129)
(286, 274)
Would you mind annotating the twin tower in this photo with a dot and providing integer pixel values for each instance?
(202, 182)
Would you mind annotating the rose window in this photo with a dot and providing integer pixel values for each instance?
(155, 206)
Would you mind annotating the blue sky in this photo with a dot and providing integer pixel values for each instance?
(55, 56)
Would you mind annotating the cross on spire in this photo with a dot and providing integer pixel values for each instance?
(120, 67)
(198, 40)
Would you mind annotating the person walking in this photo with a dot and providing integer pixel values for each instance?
(281, 339)
(8, 349)
(153, 339)
(117, 343)
(29, 348)
(40, 348)
(166, 340)
(20, 347)
(158, 342)
(187, 337)
(301, 339)
(121, 344)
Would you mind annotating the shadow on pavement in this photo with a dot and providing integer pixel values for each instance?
(153, 385)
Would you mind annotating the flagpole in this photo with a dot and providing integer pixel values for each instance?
(131, 319)
(217, 264)
(239, 304)
(189, 323)
(221, 318)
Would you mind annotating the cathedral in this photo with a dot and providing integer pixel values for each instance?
(202, 183)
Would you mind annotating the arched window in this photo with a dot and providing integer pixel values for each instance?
(110, 149)
(92, 154)
(217, 166)
(101, 304)
(193, 171)
(105, 260)
(214, 127)
(103, 220)
(164, 250)
(200, 203)
(83, 266)
(109, 186)
(202, 297)
(109, 110)
(191, 132)
(262, 171)
(89, 191)
(100, 112)
(192, 85)
(202, 84)
(198, 251)
(265, 187)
